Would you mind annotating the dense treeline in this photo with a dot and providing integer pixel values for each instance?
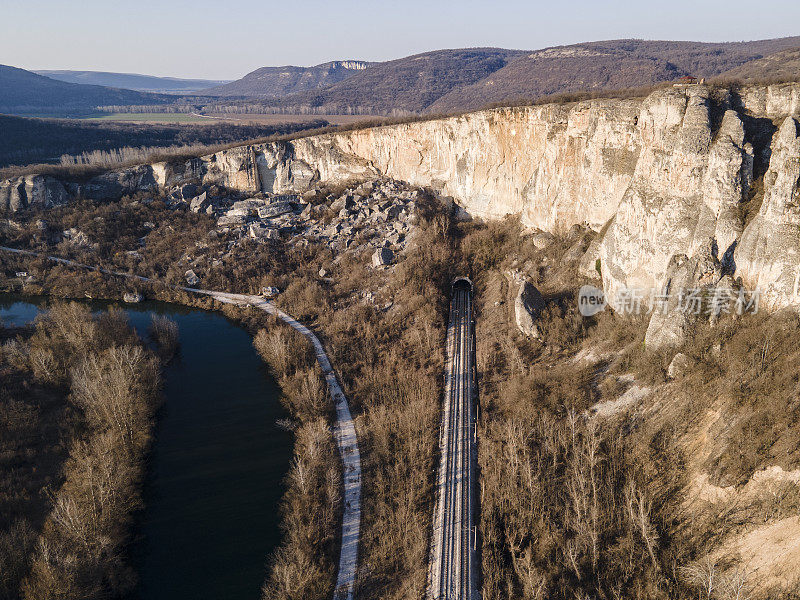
(27, 140)
(25, 92)
(303, 567)
(79, 397)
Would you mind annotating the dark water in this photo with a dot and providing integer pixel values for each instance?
(215, 474)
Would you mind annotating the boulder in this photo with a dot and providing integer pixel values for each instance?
(132, 297)
(528, 307)
(394, 238)
(245, 208)
(382, 257)
(542, 239)
(191, 277)
(199, 203)
(365, 189)
(230, 220)
(344, 202)
(275, 209)
(393, 211)
(679, 366)
(257, 231)
(185, 192)
(76, 237)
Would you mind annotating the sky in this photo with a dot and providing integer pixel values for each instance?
(218, 39)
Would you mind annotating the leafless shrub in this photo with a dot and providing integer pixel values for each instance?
(164, 332)
(283, 350)
(705, 576)
(82, 522)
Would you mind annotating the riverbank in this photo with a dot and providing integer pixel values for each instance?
(215, 474)
(383, 328)
(80, 393)
(344, 433)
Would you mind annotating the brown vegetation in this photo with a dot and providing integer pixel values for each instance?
(92, 395)
(164, 332)
(574, 505)
(303, 567)
(389, 363)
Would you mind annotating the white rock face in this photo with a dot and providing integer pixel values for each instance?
(684, 191)
(31, 190)
(768, 256)
(773, 101)
(528, 307)
(662, 175)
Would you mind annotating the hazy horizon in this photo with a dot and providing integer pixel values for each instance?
(196, 40)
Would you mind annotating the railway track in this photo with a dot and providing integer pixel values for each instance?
(452, 574)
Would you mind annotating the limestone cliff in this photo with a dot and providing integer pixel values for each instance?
(687, 188)
(664, 175)
(768, 256)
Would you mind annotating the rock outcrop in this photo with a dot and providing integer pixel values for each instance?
(686, 189)
(678, 366)
(679, 304)
(768, 256)
(661, 175)
(31, 190)
(382, 257)
(528, 307)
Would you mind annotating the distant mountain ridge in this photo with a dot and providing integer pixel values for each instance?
(23, 92)
(408, 84)
(133, 81)
(606, 65)
(439, 81)
(275, 82)
(784, 65)
(465, 79)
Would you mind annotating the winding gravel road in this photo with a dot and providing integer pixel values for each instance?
(344, 429)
